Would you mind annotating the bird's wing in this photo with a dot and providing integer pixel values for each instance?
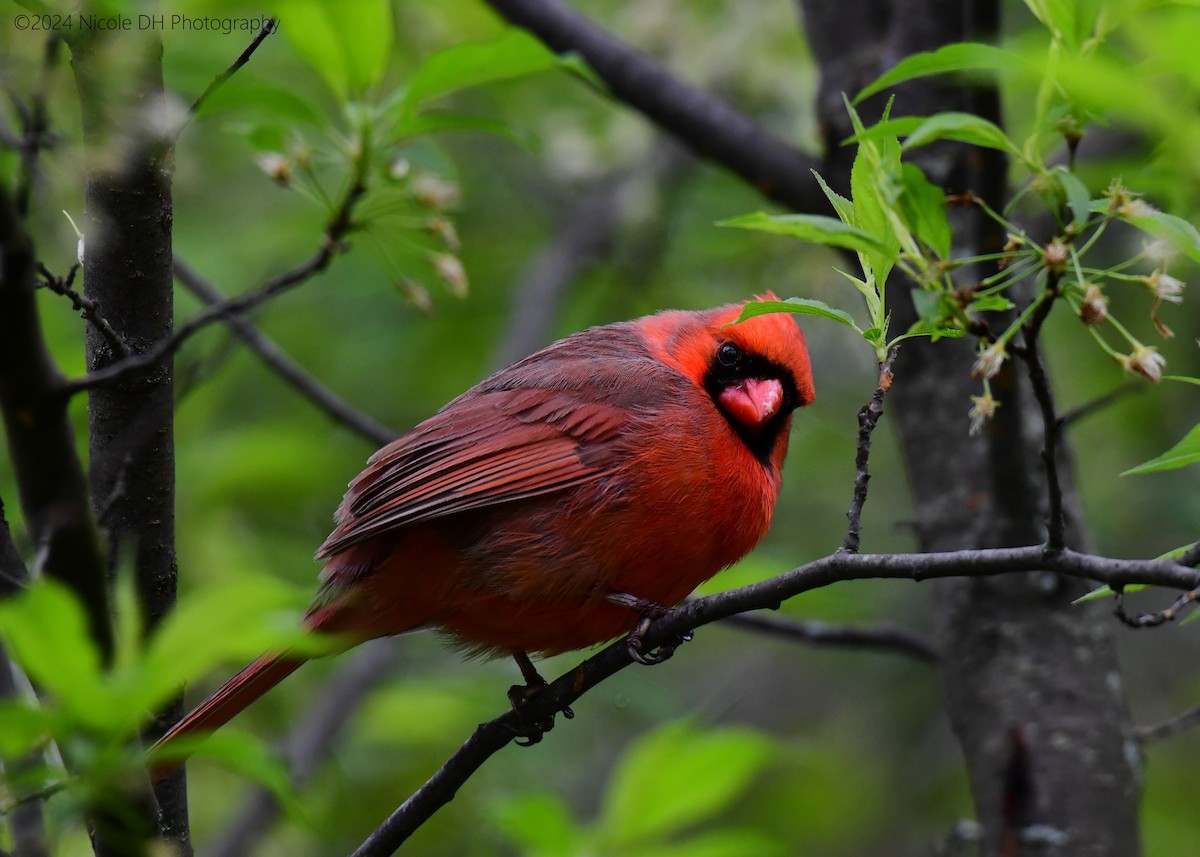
(498, 443)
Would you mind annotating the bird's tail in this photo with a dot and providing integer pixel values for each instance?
(226, 702)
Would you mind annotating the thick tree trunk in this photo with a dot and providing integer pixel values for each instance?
(127, 269)
(1032, 683)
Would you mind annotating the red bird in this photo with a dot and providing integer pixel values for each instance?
(563, 500)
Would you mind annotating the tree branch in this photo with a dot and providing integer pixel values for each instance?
(86, 308)
(1170, 728)
(41, 441)
(283, 365)
(883, 638)
(492, 736)
(330, 247)
(705, 124)
(868, 418)
(1113, 396)
(1051, 425)
(35, 135)
(268, 28)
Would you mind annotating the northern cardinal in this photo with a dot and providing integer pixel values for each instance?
(564, 500)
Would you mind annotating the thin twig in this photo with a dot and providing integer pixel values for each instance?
(86, 307)
(268, 28)
(882, 638)
(705, 124)
(868, 418)
(1153, 620)
(283, 365)
(36, 134)
(1100, 403)
(330, 247)
(492, 736)
(1031, 354)
(1172, 727)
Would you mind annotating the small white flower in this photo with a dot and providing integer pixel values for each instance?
(417, 294)
(450, 270)
(444, 229)
(275, 165)
(1164, 286)
(989, 362)
(1145, 361)
(1056, 255)
(983, 408)
(1136, 208)
(1159, 251)
(434, 191)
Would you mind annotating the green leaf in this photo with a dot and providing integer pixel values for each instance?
(261, 100)
(1106, 590)
(924, 207)
(676, 776)
(1179, 232)
(991, 303)
(433, 123)
(801, 306)
(899, 127)
(934, 333)
(348, 42)
(1186, 452)
(1079, 201)
(1184, 378)
(211, 626)
(513, 54)
(843, 206)
(244, 754)
(1069, 21)
(25, 727)
(964, 127)
(961, 56)
(814, 228)
(46, 632)
(875, 186)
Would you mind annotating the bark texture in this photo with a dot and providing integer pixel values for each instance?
(1032, 683)
(127, 270)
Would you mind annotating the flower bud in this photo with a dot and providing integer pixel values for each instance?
(1056, 255)
(444, 229)
(275, 165)
(1145, 361)
(434, 192)
(1095, 305)
(989, 362)
(450, 270)
(983, 408)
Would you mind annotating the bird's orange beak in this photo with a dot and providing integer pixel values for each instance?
(753, 401)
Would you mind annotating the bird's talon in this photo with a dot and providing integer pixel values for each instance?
(533, 730)
(633, 644)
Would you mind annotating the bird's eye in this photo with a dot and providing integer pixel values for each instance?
(729, 354)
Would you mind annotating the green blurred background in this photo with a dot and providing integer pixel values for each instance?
(847, 753)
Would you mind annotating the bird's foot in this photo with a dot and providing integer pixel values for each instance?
(532, 731)
(634, 643)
